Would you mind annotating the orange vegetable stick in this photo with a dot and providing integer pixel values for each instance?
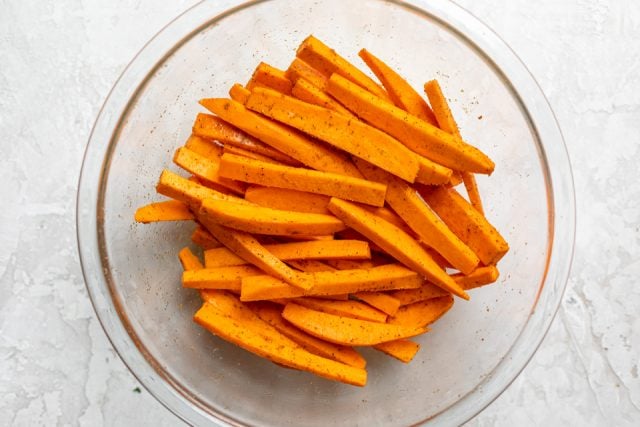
(395, 242)
(439, 259)
(479, 277)
(352, 136)
(247, 247)
(467, 223)
(305, 91)
(403, 350)
(173, 185)
(400, 92)
(425, 292)
(229, 278)
(204, 147)
(418, 135)
(204, 239)
(309, 265)
(353, 309)
(298, 69)
(422, 313)
(382, 301)
(339, 353)
(327, 61)
(431, 173)
(301, 179)
(283, 138)
(246, 153)
(383, 278)
(170, 210)
(471, 185)
(345, 330)
(291, 200)
(448, 124)
(212, 127)
(205, 168)
(257, 336)
(414, 211)
(456, 178)
(274, 222)
(329, 249)
(239, 93)
(347, 264)
(188, 260)
(271, 77)
(389, 215)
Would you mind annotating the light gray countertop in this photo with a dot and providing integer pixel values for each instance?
(58, 61)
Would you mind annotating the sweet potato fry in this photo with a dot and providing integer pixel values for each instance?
(248, 248)
(327, 61)
(425, 292)
(331, 249)
(248, 154)
(282, 138)
(383, 278)
(426, 224)
(291, 200)
(305, 91)
(403, 350)
(257, 336)
(467, 223)
(205, 168)
(228, 278)
(380, 300)
(298, 69)
(217, 128)
(188, 260)
(418, 135)
(400, 92)
(170, 210)
(239, 93)
(205, 147)
(395, 242)
(271, 77)
(447, 123)
(327, 183)
(189, 192)
(423, 313)
(339, 353)
(349, 264)
(353, 309)
(432, 173)
(204, 239)
(352, 136)
(273, 222)
(479, 277)
(345, 330)
(309, 265)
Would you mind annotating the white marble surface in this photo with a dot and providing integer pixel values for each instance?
(59, 60)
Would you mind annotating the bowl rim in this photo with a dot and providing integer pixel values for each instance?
(559, 183)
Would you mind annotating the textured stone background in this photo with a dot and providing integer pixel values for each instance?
(59, 59)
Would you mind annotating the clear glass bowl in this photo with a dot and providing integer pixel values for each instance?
(133, 276)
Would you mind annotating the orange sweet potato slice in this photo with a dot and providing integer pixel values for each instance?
(395, 242)
(242, 327)
(403, 350)
(418, 135)
(353, 136)
(170, 210)
(339, 353)
(301, 179)
(400, 92)
(346, 330)
(422, 313)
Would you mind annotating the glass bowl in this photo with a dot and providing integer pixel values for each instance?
(132, 272)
